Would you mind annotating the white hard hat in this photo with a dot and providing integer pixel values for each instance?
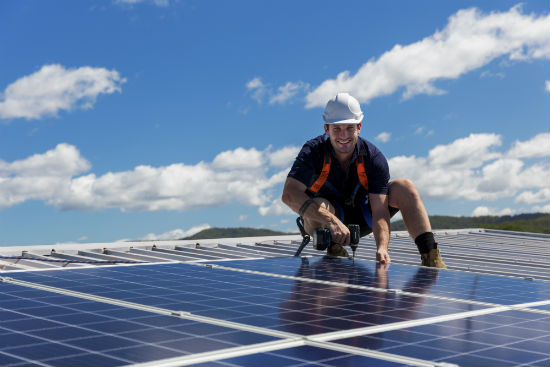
(343, 109)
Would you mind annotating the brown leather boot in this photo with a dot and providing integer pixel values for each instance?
(433, 259)
(337, 250)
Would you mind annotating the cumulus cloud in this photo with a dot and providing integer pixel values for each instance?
(474, 168)
(54, 88)
(239, 158)
(471, 168)
(283, 157)
(55, 177)
(155, 2)
(481, 211)
(469, 41)
(383, 137)
(547, 85)
(275, 207)
(531, 197)
(40, 176)
(538, 146)
(541, 208)
(260, 91)
(422, 130)
(287, 91)
(175, 234)
(257, 88)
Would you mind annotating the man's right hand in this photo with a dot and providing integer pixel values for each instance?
(339, 232)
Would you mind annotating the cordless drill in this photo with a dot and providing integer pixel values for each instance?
(322, 238)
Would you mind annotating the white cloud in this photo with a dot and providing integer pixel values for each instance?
(469, 41)
(54, 88)
(383, 137)
(547, 85)
(132, 2)
(538, 146)
(481, 211)
(541, 208)
(260, 91)
(241, 175)
(490, 74)
(471, 169)
(530, 197)
(175, 234)
(283, 157)
(63, 161)
(465, 152)
(287, 91)
(257, 88)
(239, 158)
(276, 207)
(39, 176)
(422, 130)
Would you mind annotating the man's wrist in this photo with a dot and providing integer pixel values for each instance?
(304, 207)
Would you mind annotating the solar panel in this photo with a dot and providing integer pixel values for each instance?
(42, 329)
(276, 311)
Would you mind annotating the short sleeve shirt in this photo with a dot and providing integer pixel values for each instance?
(309, 163)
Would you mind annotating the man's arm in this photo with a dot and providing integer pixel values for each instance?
(380, 225)
(317, 214)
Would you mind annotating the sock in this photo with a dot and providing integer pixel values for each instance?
(425, 242)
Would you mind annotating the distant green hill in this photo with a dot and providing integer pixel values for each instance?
(534, 222)
(234, 233)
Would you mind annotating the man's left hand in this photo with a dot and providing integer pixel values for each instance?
(383, 256)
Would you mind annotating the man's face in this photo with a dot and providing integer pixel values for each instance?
(343, 137)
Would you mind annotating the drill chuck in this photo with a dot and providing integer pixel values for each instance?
(355, 235)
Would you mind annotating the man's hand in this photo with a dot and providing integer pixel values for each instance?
(339, 232)
(383, 256)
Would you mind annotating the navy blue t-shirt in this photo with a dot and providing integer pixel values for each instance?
(309, 163)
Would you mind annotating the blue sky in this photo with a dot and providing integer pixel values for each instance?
(154, 119)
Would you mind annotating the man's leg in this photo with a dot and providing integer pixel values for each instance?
(404, 196)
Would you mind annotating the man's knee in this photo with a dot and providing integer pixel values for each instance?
(402, 190)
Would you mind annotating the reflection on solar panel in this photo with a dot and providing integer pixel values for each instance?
(279, 311)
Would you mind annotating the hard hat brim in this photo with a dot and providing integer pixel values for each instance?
(344, 122)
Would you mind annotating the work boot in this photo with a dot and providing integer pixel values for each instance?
(337, 250)
(433, 259)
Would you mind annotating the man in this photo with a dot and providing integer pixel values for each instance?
(340, 179)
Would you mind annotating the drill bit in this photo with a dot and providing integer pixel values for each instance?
(355, 234)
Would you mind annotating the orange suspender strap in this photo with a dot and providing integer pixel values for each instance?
(362, 173)
(322, 177)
